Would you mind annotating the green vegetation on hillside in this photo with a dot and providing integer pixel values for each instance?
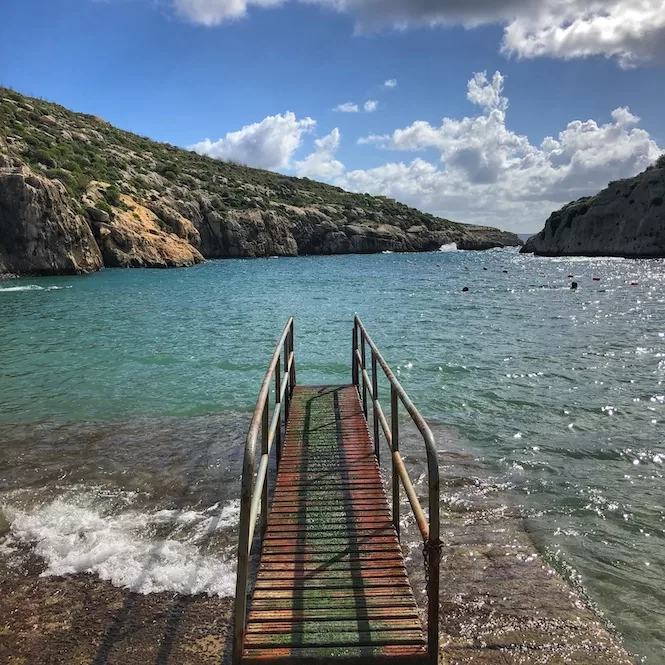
(77, 148)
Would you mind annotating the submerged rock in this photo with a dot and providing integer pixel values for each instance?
(41, 232)
(626, 219)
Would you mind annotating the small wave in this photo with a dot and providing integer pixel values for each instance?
(27, 287)
(122, 548)
(33, 287)
(450, 247)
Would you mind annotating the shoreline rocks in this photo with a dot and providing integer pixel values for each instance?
(41, 232)
(124, 200)
(626, 219)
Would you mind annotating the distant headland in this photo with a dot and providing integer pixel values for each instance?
(77, 194)
(626, 219)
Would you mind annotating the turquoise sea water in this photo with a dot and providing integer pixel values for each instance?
(561, 393)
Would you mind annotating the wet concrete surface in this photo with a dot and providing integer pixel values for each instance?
(81, 620)
(501, 602)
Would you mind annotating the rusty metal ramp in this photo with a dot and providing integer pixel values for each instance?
(331, 583)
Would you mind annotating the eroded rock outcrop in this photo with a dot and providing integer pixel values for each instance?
(41, 233)
(626, 219)
(245, 234)
(133, 236)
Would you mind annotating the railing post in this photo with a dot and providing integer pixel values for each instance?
(287, 392)
(354, 360)
(364, 367)
(241, 591)
(292, 349)
(434, 561)
(241, 581)
(394, 422)
(375, 413)
(265, 426)
(278, 391)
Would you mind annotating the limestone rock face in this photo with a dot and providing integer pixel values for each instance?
(315, 236)
(177, 223)
(246, 233)
(484, 237)
(134, 239)
(40, 231)
(133, 236)
(626, 219)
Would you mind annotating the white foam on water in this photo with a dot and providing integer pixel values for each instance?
(122, 548)
(32, 287)
(450, 247)
(26, 287)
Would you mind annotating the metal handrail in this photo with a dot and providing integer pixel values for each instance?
(430, 531)
(254, 491)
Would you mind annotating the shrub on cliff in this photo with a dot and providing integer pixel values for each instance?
(112, 195)
(660, 162)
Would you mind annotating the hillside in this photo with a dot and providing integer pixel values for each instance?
(77, 194)
(626, 219)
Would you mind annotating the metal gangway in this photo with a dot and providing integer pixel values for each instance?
(332, 585)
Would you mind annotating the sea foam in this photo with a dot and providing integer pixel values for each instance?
(32, 287)
(122, 548)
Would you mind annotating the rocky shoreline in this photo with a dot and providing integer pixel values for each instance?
(45, 233)
(626, 219)
(77, 195)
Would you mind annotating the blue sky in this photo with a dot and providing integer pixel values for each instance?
(262, 83)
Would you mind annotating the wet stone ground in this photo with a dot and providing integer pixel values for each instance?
(501, 602)
(81, 620)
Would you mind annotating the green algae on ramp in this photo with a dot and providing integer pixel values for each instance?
(327, 424)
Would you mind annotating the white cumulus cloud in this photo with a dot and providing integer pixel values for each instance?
(322, 163)
(629, 30)
(348, 107)
(487, 173)
(268, 144)
(632, 31)
(390, 83)
(371, 105)
(214, 12)
(380, 140)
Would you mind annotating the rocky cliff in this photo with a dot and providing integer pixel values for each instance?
(626, 219)
(40, 232)
(113, 198)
